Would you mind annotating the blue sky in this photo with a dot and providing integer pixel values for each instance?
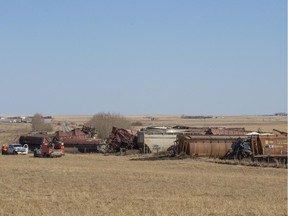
(143, 57)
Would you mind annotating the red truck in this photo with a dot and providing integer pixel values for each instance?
(51, 149)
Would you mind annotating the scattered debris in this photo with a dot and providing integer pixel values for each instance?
(161, 156)
(241, 148)
(120, 139)
(82, 139)
(275, 131)
(227, 131)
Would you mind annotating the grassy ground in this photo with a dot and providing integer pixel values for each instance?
(10, 132)
(264, 123)
(94, 184)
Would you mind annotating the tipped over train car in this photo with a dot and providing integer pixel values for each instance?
(203, 140)
(272, 146)
(81, 139)
(255, 147)
(35, 140)
(215, 146)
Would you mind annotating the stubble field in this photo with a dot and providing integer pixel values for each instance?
(94, 184)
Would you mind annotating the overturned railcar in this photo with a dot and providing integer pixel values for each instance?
(75, 139)
(263, 146)
(35, 140)
(215, 146)
(269, 146)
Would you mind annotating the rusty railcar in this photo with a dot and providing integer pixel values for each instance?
(78, 139)
(269, 146)
(215, 146)
(227, 131)
(73, 139)
(263, 146)
(35, 140)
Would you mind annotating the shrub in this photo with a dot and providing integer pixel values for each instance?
(137, 123)
(104, 122)
(38, 124)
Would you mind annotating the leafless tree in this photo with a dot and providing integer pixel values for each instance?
(104, 122)
(38, 124)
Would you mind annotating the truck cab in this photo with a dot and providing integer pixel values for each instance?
(51, 149)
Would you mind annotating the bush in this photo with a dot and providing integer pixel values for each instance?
(137, 123)
(38, 124)
(104, 122)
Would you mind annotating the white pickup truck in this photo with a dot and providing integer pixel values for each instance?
(17, 149)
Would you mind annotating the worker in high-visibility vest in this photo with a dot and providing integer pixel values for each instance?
(4, 149)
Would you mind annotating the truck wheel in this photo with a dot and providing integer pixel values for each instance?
(14, 152)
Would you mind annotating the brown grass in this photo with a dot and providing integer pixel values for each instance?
(94, 184)
(10, 132)
(265, 123)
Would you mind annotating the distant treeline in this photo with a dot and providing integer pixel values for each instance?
(281, 114)
(196, 117)
(276, 114)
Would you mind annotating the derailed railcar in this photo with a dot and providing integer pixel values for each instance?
(261, 147)
(35, 140)
(215, 146)
(155, 142)
(269, 146)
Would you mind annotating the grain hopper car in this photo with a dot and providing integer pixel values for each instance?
(254, 147)
(214, 146)
(272, 146)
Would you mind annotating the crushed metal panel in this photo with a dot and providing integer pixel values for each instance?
(154, 130)
(227, 131)
(121, 138)
(178, 129)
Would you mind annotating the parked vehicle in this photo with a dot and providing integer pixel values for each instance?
(15, 149)
(51, 149)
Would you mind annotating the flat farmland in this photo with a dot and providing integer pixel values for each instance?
(94, 184)
(254, 123)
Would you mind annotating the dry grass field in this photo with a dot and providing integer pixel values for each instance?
(93, 184)
(264, 123)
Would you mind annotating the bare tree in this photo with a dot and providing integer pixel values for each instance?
(104, 122)
(38, 123)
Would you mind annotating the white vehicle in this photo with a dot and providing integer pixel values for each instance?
(37, 152)
(17, 149)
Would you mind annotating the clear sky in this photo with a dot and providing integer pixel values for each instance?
(196, 57)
